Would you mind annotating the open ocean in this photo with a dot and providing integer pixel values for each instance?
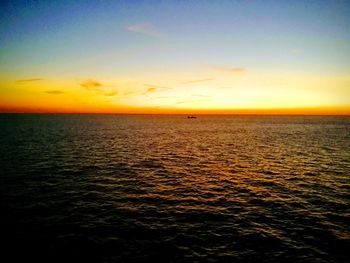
(132, 188)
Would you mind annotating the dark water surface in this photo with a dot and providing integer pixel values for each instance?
(106, 188)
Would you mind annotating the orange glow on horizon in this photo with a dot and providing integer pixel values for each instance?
(150, 64)
(340, 110)
(250, 93)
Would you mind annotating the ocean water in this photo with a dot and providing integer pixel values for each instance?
(118, 188)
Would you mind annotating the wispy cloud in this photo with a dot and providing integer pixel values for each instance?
(98, 87)
(157, 86)
(55, 92)
(196, 81)
(28, 80)
(154, 88)
(151, 90)
(112, 93)
(145, 29)
(91, 84)
(234, 70)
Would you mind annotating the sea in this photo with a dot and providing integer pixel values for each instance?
(167, 188)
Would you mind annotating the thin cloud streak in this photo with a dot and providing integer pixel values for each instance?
(112, 93)
(145, 29)
(154, 88)
(234, 70)
(28, 80)
(157, 87)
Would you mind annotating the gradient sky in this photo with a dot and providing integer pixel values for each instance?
(175, 56)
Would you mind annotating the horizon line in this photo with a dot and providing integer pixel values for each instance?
(343, 110)
(183, 113)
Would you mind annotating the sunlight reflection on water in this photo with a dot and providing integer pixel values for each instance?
(167, 188)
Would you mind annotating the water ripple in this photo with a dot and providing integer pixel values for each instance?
(105, 188)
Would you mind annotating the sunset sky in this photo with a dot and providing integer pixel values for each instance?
(175, 56)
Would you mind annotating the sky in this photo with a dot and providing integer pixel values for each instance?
(238, 56)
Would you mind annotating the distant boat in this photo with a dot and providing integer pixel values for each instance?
(191, 117)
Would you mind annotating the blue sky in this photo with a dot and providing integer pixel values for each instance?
(262, 34)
